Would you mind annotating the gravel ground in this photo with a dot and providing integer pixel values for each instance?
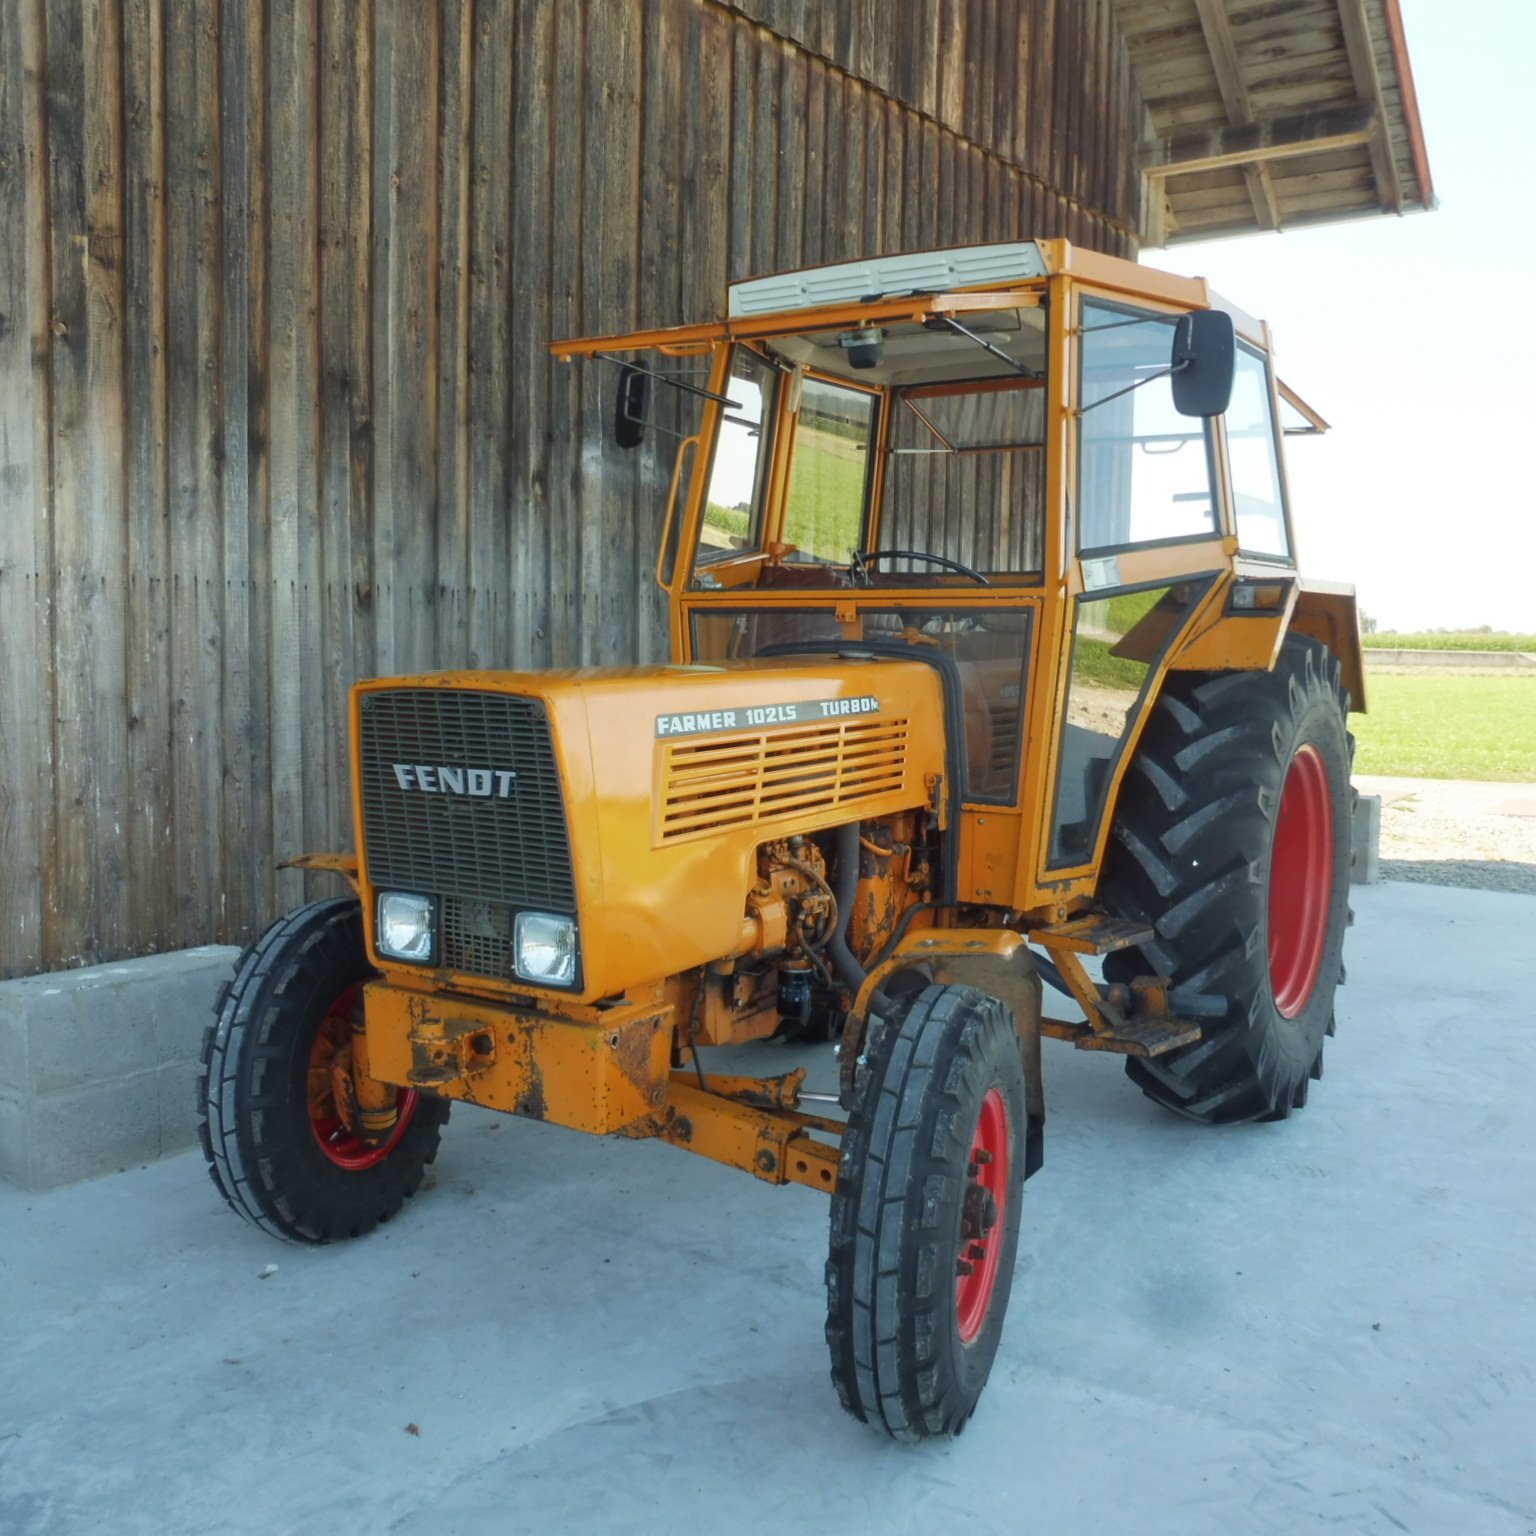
(1455, 832)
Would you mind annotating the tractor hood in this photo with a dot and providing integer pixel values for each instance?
(628, 800)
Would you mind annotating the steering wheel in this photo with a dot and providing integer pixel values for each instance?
(859, 566)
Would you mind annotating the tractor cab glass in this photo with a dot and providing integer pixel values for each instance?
(1145, 471)
(733, 503)
(905, 454)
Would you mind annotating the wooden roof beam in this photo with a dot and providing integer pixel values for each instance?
(1362, 65)
(1234, 95)
(1253, 144)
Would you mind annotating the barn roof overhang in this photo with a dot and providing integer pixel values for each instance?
(1269, 114)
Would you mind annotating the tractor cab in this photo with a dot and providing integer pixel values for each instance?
(1045, 469)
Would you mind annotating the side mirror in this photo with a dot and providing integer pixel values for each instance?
(631, 408)
(1204, 363)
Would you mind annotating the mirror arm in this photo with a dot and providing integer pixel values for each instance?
(1151, 378)
(667, 378)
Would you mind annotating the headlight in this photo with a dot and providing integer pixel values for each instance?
(406, 927)
(544, 948)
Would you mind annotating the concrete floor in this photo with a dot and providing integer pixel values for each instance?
(1326, 1322)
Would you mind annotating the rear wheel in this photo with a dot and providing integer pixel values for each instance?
(288, 1145)
(1232, 840)
(925, 1218)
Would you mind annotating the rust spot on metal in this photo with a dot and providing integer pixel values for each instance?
(530, 1102)
(631, 1049)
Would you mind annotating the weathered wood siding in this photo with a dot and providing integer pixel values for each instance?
(275, 409)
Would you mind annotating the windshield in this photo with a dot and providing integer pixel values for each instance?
(965, 477)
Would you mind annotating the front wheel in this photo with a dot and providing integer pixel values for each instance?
(925, 1218)
(287, 1142)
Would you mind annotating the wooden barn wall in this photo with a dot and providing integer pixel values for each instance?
(275, 409)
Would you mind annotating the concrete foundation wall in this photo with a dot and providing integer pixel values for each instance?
(98, 1066)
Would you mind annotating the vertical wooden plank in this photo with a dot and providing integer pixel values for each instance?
(85, 150)
(811, 191)
(874, 114)
(534, 175)
(767, 56)
(708, 195)
(488, 341)
(405, 329)
(834, 185)
(664, 238)
(851, 233)
(893, 200)
(791, 177)
(1042, 77)
(568, 257)
(246, 806)
(743, 164)
(300, 755)
(26, 702)
(913, 191)
(342, 172)
(609, 560)
(150, 829)
(450, 646)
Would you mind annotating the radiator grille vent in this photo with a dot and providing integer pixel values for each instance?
(748, 777)
(510, 845)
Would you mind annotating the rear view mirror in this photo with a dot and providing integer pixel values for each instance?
(629, 412)
(1204, 362)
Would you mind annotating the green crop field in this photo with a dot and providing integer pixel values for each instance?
(1444, 726)
(1459, 640)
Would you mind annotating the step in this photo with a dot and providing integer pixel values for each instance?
(1093, 934)
(1135, 1037)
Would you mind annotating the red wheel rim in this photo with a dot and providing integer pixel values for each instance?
(986, 1194)
(1300, 882)
(333, 1138)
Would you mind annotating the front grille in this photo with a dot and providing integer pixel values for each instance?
(509, 847)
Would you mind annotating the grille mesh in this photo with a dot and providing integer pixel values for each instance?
(736, 780)
(512, 849)
(477, 937)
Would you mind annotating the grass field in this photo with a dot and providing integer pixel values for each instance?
(1444, 726)
(1459, 640)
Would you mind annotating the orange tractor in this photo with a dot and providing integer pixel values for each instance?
(990, 656)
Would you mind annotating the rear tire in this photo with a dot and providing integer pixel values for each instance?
(1232, 840)
(925, 1217)
(278, 1148)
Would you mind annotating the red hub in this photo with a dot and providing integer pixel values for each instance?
(1300, 882)
(339, 1143)
(982, 1217)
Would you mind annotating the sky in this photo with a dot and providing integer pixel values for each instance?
(1415, 338)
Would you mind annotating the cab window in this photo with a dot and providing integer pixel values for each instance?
(1144, 471)
(829, 472)
(733, 505)
(1255, 460)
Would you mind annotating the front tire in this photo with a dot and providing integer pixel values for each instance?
(278, 1144)
(1232, 840)
(925, 1217)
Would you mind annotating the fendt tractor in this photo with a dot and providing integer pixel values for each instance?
(990, 658)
